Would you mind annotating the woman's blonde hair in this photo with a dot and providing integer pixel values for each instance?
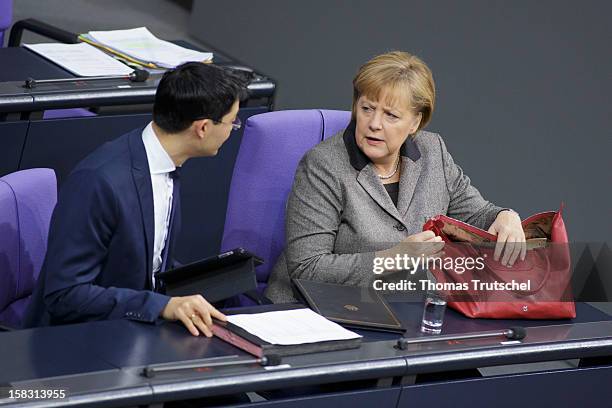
(406, 78)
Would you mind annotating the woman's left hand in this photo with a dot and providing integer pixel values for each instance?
(509, 231)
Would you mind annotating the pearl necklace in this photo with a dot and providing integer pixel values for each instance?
(388, 176)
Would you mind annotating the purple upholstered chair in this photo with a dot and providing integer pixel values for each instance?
(27, 199)
(272, 145)
(6, 16)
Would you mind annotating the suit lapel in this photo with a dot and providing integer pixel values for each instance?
(411, 170)
(142, 181)
(368, 179)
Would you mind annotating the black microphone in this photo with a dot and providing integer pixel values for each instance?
(151, 370)
(138, 75)
(513, 333)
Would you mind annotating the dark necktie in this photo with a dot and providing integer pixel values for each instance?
(175, 176)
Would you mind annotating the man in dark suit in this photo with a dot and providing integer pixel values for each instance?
(118, 213)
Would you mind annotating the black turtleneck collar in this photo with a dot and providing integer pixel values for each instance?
(358, 158)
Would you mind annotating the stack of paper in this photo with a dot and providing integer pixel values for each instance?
(139, 45)
(81, 59)
(290, 327)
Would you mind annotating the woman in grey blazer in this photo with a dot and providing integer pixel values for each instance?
(366, 192)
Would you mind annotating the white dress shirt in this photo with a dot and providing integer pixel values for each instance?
(160, 166)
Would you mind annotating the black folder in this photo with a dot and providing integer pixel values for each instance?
(216, 278)
(350, 306)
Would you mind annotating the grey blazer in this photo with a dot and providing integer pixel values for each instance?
(339, 213)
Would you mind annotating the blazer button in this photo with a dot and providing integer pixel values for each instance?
(399, 227)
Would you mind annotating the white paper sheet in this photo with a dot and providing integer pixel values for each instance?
(289, 327)
(81, 59)
(141, 44)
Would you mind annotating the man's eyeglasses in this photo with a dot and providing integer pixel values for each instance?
(236, 124)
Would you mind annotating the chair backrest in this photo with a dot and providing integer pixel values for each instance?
(27, 199)
(6, 17)
(272, 145)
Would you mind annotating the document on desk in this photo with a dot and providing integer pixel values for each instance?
(291, 327)
(142, 45)
(81, 59)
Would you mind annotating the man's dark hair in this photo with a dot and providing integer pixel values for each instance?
(194, 91)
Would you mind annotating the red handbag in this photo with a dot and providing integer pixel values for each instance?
(537, 287)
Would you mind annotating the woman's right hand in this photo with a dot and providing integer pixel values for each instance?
(422, 244)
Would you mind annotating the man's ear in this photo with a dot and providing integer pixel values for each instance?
(201, 127)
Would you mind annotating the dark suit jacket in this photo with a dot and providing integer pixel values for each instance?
(100, 251)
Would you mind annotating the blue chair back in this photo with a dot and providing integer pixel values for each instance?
(6, 17)
(27, 199)
(272, 146)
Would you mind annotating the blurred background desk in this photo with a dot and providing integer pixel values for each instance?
(100, 362)
(56, 126)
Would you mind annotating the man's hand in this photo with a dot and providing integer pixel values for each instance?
(507, 226)
(194, 312)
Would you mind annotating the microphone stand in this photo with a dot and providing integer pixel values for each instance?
(150, 370)
(138, 75)
(513, 333)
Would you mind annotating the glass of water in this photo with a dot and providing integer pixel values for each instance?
(433, 313)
